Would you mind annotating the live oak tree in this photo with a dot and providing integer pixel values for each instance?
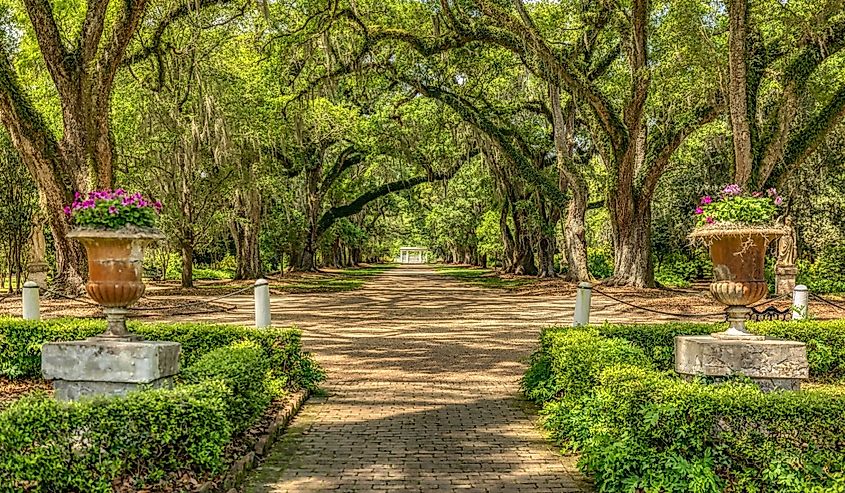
(82, 46)
(784, 92)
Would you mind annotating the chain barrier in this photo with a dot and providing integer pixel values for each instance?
(659, 312)
(824, 300)
(155, 308)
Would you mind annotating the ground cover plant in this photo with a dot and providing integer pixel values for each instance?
(608, 393)
(147, 438)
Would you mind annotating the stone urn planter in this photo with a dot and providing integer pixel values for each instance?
(739, 258)
(115, 267)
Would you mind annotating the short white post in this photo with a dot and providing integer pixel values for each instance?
(800, 307)
(262, 303)
(31, 301)
(583, 298)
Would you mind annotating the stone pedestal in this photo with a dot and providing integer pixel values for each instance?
(108, 367)
(785, 279)
(771, 363)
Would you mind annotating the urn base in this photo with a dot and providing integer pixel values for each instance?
(100, 366)
(770, 363)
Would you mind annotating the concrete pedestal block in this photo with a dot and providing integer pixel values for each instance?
(108, 367)
(785, 276)
(771, 363)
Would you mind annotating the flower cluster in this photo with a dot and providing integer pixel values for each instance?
(734, 207)
(113, 209)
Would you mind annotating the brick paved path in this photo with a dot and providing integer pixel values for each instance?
(422, 392)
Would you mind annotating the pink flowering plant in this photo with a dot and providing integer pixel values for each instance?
(734, 207)
(113, 209)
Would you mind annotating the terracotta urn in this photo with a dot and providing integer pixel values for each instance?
(739, 260)
(115, 267)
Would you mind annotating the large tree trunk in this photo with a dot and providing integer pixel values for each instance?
(737, 93)
(631, 235)
(523, 249)
(246, 231)
(575, 236)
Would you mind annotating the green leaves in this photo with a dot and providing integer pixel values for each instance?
(637, 429)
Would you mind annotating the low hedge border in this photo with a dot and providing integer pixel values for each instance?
(21, 341)
(152, 437)
(638, 427)
(239, 469)
(825, 341)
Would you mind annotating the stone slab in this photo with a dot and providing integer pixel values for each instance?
(126, 362)
(66, 390)
(775, 362)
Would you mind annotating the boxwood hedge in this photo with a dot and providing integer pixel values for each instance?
(21, 340)
(230, 375)
(640, 427)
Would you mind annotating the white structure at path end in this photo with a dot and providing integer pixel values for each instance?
(413, 255)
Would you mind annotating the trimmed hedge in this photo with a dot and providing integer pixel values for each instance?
(46, 445)
(230, 376)
(639, 429)
(243, 369)
(21, 340)
(825, 341)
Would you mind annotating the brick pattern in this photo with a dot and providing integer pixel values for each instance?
(417, 401)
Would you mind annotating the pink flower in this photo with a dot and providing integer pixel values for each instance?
(699, 210)
(772, 192)
(157, 206)
(733, 189)
(706, 200)
(709, 220)
(67, 210)
(756, 195)
(112, 210)
(778, 200)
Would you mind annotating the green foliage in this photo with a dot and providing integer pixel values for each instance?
(20, 345)
(641, 430)
(827, 273)
(600, 262)
(677, 270)
(825, 341)
(569, 362)
(737, 210)
(46, 445)
(245, 370)
(113, 210)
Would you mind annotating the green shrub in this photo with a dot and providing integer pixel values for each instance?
(20, 344)
(46, 445)
(245, 371)
(600, 262)
(570, 360)
(825, 341)
(638, 429)
(648, 431)
(827, 273)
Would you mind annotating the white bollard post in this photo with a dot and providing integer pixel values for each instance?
(583, 298)
(31, 301)
(800, 307)
(262, 303)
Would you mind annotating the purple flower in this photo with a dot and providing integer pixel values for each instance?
(157, 206)
(120, 192)
(706, 200)
(709, 220)
(778, 200)
(112, 209)
(67, 210)
(699, 210)
(733, 189)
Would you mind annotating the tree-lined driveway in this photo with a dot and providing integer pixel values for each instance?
(422, 391)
